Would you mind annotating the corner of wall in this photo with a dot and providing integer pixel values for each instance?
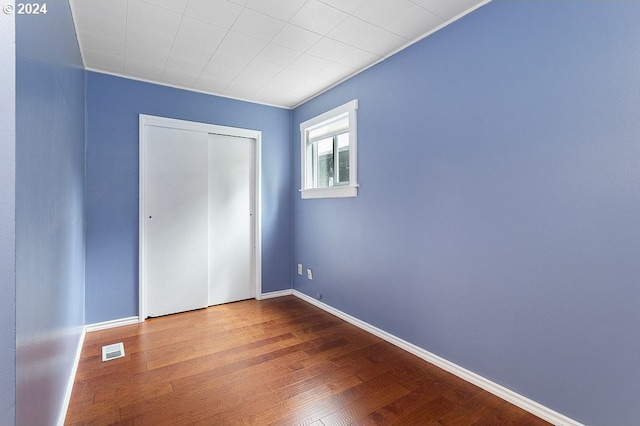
(7, 220)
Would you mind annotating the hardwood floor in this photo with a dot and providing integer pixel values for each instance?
(277, 361)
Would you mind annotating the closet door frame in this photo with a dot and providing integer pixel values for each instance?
(256, 135)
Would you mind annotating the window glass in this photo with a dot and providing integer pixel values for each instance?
(343, 159)
(325, 163)
(329, 153)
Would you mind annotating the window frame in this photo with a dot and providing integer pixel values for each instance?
(306, 161)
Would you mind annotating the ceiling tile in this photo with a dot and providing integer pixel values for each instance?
(414, 22)
(179, 77)
(296, 38)
(146, 37)
(337, 71)
(188, 60)
(257, 25)
(348, 6)
(310, 64)
(114, 10)
(341, 53)
(276, 96)
(356, 32)
(311, 87)
(288, 78)
(258, 73)
(150, 27)
(318, 17)
(242, 43)
(278, 55)
(201, 32)
(222, 13)
(226, 64)
(143, 69)
(380, 12)
(281, 9)
(177, 6)
(98, 43)
(141, 53)
(151, 19)
(104, 27)
(103, 61)
(446, 8)
(240, 91)
(191, 51)
(211, 84)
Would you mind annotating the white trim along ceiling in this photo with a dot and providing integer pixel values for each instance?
(274, 52)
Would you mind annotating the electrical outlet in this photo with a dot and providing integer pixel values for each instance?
(299, 268)
(309, 274)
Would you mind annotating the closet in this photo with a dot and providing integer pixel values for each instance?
(198, 215)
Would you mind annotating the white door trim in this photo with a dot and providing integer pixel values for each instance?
(256, 135)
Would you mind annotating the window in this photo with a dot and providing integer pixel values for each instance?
(329, 154)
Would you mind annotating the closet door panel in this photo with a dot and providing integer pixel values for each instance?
(176, 220)
(230, 218)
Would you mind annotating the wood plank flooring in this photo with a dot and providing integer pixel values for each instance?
(278, 361)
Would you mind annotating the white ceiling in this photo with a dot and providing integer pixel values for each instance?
(276, 52)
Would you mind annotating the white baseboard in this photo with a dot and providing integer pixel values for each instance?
(279, 293)
(76, 362)
(72, 379)
(500, 391)
(111, 324)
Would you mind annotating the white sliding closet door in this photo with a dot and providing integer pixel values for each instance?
(230, 218)
(198, 226)
(176, 220)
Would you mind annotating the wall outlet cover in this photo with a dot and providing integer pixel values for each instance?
(299, 268)
(309, 274)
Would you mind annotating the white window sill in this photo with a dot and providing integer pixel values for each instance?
(330, 192)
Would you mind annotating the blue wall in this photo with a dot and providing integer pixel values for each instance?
(7, 220)
(113, 106)
(498, 219)
(50, 136)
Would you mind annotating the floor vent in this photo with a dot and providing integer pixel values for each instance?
(114, 351)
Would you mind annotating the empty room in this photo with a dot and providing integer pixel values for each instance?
(320, 212)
